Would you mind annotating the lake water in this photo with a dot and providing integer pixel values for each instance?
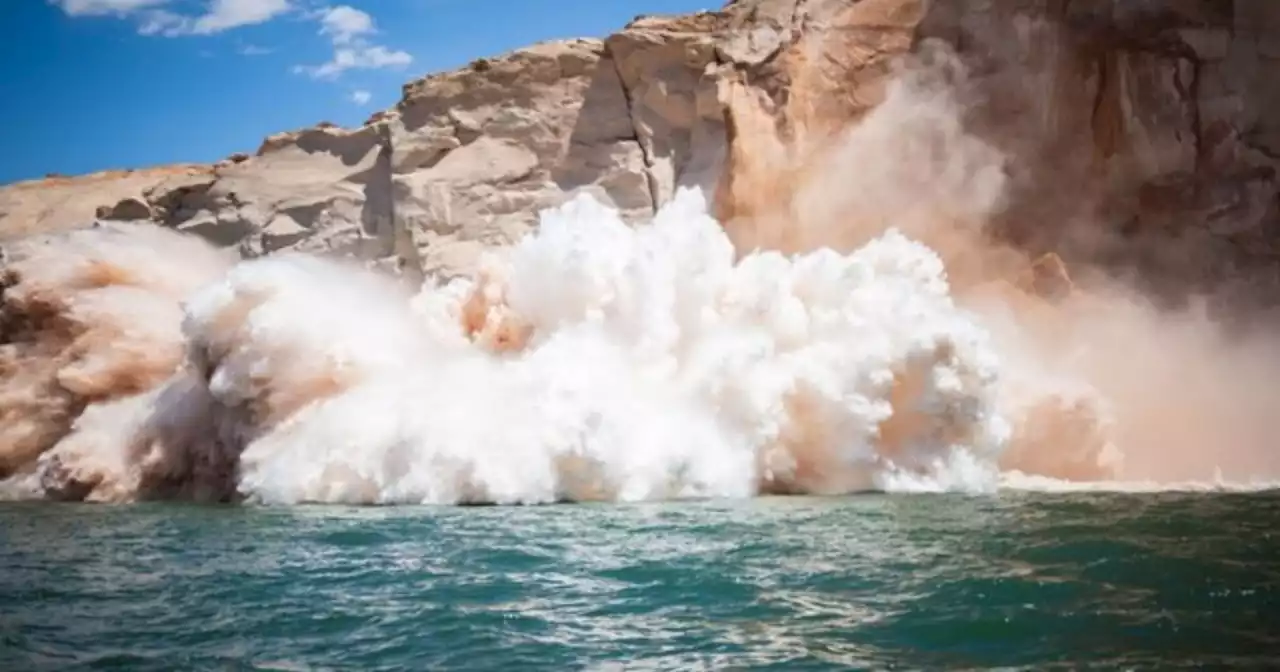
(1035, 581)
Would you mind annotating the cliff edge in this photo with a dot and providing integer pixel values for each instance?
(1137, 136)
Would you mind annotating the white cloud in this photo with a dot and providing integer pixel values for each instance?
(162, 22)
(360, 58)
(347, 28)
(343, 23)
(227, 14)
(104, 7)
(221, 14)
(361, 97)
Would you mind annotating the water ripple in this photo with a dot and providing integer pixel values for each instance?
(1015, 581)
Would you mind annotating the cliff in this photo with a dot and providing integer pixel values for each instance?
(1136, 135)
(465, 160)
(1040, 150)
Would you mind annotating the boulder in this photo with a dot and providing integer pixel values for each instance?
(127, 210)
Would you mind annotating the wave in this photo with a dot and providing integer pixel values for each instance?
(1020, 482)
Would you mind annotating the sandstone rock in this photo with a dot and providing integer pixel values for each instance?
(1136, 131)
(667, 70)
(60, 203)
(474, 152)
(306, 190)
(467, 158)
(822, 62)
(238, 157)
(477, 152)
(1138, 135)
(126, 210)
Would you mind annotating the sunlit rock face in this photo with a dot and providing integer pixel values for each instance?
(712, 214)
(1148, 119)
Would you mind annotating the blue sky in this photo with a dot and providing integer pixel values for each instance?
(95, 84)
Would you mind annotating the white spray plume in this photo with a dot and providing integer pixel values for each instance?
(591, 361)
(641, 364)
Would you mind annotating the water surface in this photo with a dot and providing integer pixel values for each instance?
(1016, 580)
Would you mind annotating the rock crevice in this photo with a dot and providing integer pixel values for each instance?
(650, 182)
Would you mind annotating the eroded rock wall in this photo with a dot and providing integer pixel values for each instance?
(1140, 135)
(465, 160)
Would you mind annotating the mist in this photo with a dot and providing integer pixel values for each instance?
(1102, 379)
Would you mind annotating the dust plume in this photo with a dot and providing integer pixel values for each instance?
(89, 325)
(1098, 382)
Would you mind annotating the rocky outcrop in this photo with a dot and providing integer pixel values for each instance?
(307, 190)
(465, 160)
(59, 203)
(1146, 123)
(474, 154)
(1137, 134)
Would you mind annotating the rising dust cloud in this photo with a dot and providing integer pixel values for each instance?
(848, 324)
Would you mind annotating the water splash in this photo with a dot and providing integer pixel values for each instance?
(886, 343)
(591, 361)
(89, 320)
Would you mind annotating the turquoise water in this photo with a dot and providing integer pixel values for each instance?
(912, 582)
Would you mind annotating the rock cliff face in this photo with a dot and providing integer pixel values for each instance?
(464, 161)
(59, 202)
(1138, 135)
